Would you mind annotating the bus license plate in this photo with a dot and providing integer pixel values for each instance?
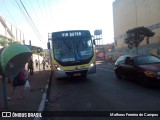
(77, 74)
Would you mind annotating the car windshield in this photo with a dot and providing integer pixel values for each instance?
(66, 50)
(143, 60)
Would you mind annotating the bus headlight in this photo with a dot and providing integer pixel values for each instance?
(92, 68)
(57, 67)
(92, 64)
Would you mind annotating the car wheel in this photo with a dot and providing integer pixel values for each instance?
(144, 81)
(118, 75)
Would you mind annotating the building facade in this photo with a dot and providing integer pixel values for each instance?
(129, 14)
(10, 32)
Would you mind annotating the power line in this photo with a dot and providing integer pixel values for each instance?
(43, 16)
(33, 9)
(45, 9)
(9, 12)
(36, 17)
(50, 11)
(40, 9)
(39, 36)
(31, 6)
(25, 16)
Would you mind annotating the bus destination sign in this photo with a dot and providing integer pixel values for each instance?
(71, 34)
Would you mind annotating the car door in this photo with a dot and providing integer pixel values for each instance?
(119, 65)
(130, 68)
(134, 70)
(127, 68)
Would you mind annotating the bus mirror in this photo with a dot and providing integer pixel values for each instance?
(48, 45)
(94, 43)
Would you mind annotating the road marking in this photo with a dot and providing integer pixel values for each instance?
(106, 69)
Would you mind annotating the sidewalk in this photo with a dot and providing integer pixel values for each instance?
(32, 97)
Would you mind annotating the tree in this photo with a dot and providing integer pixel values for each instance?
(3, 42)
(34, 51)
(42, 53)
(11, 41)
(136, 36)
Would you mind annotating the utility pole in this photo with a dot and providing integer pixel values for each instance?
(49, 48)
(98, 37)
(4, 86)
(38, 59)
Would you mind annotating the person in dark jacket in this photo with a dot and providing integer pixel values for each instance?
(30, 66)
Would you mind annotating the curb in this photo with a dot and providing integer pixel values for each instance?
(44, 98)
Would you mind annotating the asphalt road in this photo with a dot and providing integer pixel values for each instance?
(101, 92)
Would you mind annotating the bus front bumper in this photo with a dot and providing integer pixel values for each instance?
(61, 73)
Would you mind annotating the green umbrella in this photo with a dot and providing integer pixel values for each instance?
(13, 58)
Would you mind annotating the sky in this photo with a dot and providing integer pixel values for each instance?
(37, 18)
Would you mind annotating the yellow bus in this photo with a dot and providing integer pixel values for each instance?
(73, 53)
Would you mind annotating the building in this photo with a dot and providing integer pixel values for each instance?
(129, 14)
(104, 51)
(10, 32)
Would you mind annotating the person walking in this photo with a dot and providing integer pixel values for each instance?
(43, 63)
(19, 81)
(30, 66)
(36, 61)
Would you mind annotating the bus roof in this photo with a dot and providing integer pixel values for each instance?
(71, 33)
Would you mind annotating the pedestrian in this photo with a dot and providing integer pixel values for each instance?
(110, 58)
(30, 66)
(19, 81)
(43, 63)
(36, 61)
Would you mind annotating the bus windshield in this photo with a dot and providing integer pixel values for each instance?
(72, 49)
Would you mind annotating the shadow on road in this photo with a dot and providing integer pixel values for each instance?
(72, 80)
